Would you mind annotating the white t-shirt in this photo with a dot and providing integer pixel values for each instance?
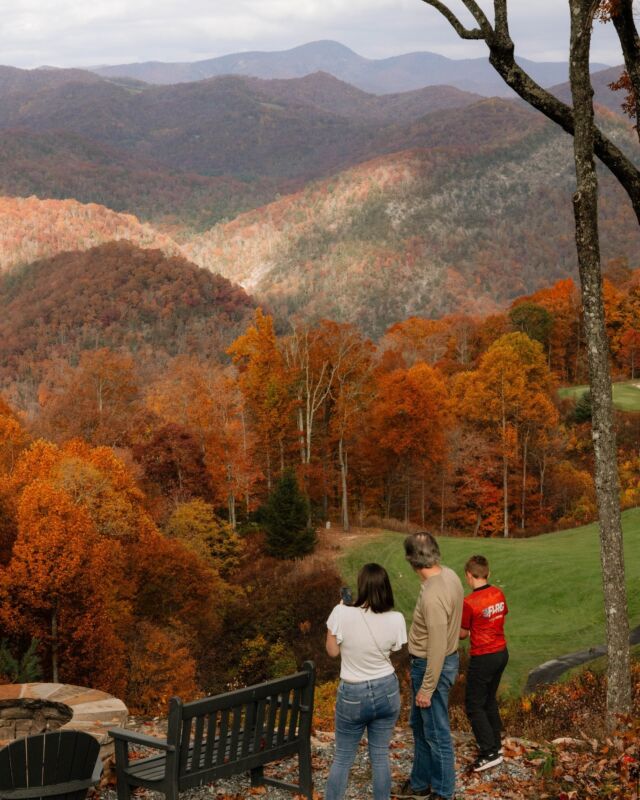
(361, 657)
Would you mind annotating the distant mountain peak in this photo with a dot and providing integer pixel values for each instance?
(390, 75)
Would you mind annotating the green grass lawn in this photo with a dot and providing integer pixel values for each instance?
(626, 395)
(552, 584)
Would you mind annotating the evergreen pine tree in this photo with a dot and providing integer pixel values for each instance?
(26, 669)
(286, 517)
(582, 411)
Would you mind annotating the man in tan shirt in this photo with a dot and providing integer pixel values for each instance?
(433, 646)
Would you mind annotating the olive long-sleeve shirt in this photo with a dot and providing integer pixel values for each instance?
(435, 629)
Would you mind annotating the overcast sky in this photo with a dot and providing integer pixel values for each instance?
(76, 33)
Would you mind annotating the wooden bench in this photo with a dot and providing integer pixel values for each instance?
(229, 734)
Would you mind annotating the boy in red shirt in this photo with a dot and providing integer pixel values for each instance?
(483, 616)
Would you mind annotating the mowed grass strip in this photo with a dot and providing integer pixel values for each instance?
(626, 395)
(552, 583)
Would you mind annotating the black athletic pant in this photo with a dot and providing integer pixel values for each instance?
(483, 679)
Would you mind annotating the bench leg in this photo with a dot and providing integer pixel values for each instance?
(304, 764)
(170, 791)
(123, 788)
(257, 776)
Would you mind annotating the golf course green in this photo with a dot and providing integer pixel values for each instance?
(626, 395)
(552, 584)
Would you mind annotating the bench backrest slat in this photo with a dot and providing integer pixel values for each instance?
(282, 718)
(249, 720)
(271, 721)
(293, 717)
(197, 744)
(18, 756)
(236, 730)
(222, 741)
(35, 761)
(211, 740)
(52, 747)
(259, 743)
(185, 741)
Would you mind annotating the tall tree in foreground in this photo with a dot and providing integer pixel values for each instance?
(588, 140)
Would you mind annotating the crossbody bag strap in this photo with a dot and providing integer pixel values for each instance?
(375, 641)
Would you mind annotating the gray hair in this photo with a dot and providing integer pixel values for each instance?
(421, 550)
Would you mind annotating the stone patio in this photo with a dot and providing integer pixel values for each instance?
(59, 706)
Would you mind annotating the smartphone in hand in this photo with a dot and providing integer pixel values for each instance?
(345, 596)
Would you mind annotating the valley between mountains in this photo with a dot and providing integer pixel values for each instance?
(321, 200)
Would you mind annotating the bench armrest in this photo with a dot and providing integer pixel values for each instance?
(142, 739)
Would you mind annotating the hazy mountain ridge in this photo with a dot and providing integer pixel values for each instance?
(199, 152)
(63, 165)
(263, 137)
(394, 74)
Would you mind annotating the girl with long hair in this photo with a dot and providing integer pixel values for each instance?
(364, 635)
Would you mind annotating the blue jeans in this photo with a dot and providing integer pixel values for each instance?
(374, 705)
(433, 759)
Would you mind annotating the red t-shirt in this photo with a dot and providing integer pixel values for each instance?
(483, 614)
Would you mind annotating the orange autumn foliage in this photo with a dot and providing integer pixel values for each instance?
(161, 666)
(56, 588)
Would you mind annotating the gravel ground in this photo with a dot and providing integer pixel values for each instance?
(509, 781)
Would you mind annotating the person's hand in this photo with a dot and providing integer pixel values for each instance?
(423, 699)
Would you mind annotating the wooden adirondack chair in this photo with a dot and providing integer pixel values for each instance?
(61, 765)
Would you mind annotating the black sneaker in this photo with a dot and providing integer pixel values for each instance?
(405, 792)
(486, 762)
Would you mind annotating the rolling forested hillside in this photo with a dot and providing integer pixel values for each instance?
(464, 225)
(32, 228)
(116, 295)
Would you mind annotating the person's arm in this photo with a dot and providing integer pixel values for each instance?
(333, 648)
(436, 617)
(465, 622)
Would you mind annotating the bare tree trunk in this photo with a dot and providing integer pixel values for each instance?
(231, 500)
(604, 443)
(505, 469)
(524, 480)
(244, 450)
(342, 458)
(301, 432)
(542, 463)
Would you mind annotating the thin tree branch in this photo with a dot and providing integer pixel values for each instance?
(463, 33)
(478, 14)
(501, 19)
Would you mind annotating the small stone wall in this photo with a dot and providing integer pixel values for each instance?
(25, 717)
(27, 708)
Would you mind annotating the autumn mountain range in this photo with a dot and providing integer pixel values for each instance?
(321, 199)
